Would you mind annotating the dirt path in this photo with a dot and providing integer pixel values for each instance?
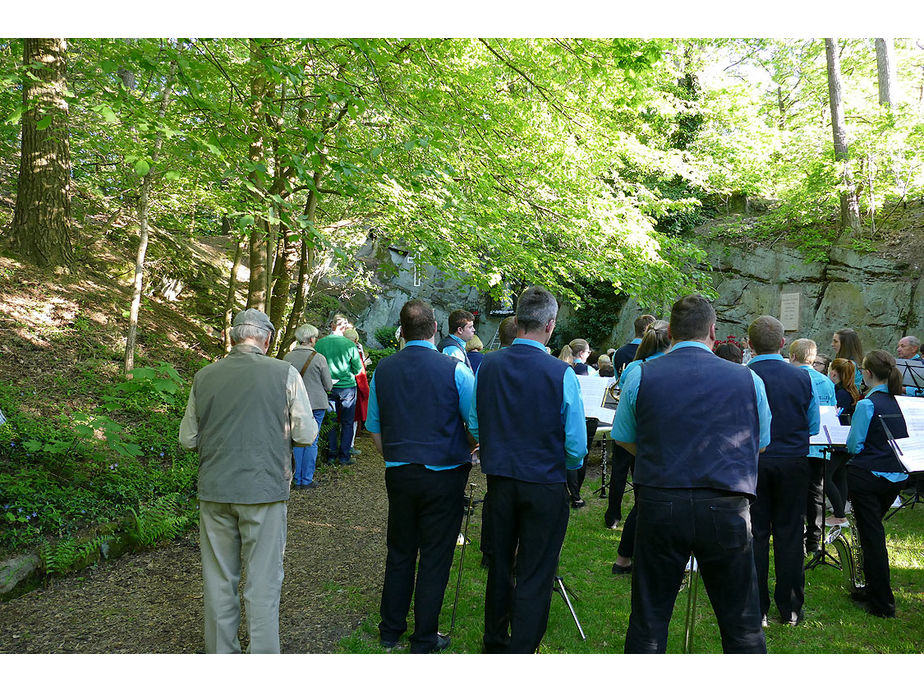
(152, 602)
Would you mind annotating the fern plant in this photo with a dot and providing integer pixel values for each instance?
(71, 554)
(161, 520)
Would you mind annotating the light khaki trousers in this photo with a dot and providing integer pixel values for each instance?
(232, 535)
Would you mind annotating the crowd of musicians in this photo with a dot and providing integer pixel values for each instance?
(716, 437)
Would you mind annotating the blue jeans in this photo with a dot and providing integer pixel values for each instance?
(306, 457)
(344, 401)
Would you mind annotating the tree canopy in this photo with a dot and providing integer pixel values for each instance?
(565, 162)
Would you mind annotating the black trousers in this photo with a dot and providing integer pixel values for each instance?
(576, 476)
(871, 497)
(715, 527)
(836, 482)
(626, 547)
(622, 463)
(815, 505)
(527, 524)
(425, 510)
(782, 489)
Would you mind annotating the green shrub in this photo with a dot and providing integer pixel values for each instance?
(385, 335)
(376, 355)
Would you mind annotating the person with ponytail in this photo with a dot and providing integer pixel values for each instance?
(847, 345)
(874, 475)
(842, 374)
(576, 352)
(654, 344)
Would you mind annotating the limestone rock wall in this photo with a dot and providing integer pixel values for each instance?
(879, 298)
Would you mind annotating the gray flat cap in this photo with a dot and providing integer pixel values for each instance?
(255, 318)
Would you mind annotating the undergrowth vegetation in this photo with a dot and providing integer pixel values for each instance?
(70, 484)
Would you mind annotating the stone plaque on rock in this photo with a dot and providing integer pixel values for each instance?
(789, 311)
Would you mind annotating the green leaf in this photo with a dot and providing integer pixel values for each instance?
(108, 114)
(43, 123)
(142, 167)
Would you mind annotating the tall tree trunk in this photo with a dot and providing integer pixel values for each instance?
(40, 232)
(256, 290)
(143, 226)
(885, 67)
(306, 259)
(850, 209)
(281, 281)
(232, 291)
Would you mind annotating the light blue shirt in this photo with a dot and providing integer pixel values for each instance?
(625, 423)
(632, 365)
(453, 349)
(824, 394)
(813, 413)
(465, 384)
(572, 413)
(859, 427)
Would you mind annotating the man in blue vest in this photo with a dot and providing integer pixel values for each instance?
(626, 353)
(783, 476)
(419, 404)
(529, 419)
(695, 424)
(461, 330)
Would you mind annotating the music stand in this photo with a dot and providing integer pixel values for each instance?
(558, 585)
(900, 456)
(912, 371)
(821, 555)
(610, 401)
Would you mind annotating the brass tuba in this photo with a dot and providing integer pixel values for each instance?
(850, 556)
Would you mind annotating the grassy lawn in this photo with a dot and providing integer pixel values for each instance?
(833, 624)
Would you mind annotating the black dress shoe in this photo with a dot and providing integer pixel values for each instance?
(388, 644)
(621, 569)
(442, 642)
(859, 595)
(872, 611)
(579, 503)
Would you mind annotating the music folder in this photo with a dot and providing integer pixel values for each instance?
(910, 450)
(830, 433)
(594, 394)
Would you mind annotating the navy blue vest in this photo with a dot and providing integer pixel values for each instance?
(877, 455)
(580, 368)
(449, 341)
(624, 355)
(697, 423)
(789, 393)
(519, 398)
(419, 408)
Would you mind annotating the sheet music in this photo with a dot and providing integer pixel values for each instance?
(910, 450)
(830, 432)
(593, 390)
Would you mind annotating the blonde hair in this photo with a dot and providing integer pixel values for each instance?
(474, 344)
(803, 351)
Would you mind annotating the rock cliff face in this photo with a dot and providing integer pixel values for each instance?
(882, 299)
(399, 279)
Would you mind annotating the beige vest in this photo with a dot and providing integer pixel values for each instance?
(245, 441)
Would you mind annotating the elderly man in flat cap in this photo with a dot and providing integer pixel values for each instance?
(243, 414)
